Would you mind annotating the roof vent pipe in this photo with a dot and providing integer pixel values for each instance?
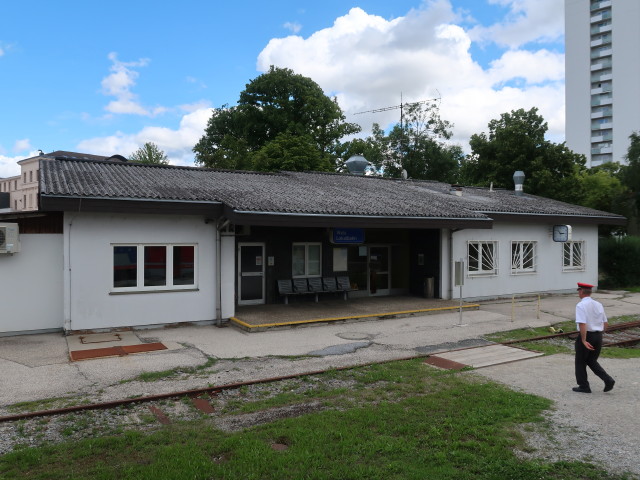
(357, 164)
(456, 190)
(518, 179)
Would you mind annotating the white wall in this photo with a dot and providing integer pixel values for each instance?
(549, 276)
(31, 285)
(89, 300)
(228, 275)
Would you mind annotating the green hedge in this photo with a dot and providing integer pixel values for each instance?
(619, 262)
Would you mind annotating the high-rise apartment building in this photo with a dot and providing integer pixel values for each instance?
(602, 77)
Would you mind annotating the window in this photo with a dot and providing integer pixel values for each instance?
(523, 257)
(153, 267)
(306, 260)
(573, 256)
(482, 258)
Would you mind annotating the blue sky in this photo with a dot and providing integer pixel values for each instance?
(104, 78)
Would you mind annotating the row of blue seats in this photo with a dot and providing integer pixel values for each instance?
(313, 286)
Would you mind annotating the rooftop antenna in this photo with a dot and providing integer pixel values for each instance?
(401, 107)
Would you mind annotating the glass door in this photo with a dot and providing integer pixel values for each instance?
(250, 273)
(379, 270)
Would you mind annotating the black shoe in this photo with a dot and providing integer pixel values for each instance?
(609, 386)
(583, 389)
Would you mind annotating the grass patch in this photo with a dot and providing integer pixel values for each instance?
(174, 372)
(45, 404)
(399, 420)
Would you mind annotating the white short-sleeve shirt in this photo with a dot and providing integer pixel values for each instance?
(591, 312)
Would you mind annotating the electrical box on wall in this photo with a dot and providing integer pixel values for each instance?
(9, 238)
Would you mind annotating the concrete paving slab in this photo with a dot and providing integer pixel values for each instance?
(489, 355)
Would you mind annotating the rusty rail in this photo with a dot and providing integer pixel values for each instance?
(187, 393)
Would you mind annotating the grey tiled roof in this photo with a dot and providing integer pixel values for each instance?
(290, 192)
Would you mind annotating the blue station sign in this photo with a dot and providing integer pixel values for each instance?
(347, 235)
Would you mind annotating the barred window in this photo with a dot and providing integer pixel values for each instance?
(523, 257)
(482, 258)
(573, 256)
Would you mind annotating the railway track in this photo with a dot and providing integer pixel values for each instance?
(195, 395)
(622, 334)
(618, 335)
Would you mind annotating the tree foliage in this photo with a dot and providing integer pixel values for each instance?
(516, 141)
(149, 153)
(279, 110)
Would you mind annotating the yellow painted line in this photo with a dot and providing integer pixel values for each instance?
(333, 319)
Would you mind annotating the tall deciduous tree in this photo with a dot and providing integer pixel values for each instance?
(149, 153)
(278, 106)
(516, 142)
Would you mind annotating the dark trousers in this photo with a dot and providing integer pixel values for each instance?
(589, 358)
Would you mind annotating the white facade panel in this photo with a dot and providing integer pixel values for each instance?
(607, 31)
(31, 285)
(228, 275)
(549, 274)
(90, 299)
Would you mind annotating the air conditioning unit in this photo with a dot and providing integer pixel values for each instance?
(9, 238)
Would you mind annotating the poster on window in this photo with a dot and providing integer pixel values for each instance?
(339, 259)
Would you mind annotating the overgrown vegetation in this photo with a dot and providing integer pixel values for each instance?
(399, 420)
(619, 261)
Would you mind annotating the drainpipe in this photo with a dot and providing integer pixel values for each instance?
(451, 279)
(67, 283)
(221, 224)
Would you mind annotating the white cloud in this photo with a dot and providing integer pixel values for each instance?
(527, 21)
(368, 62)
(294, 27)
(119, 83)
(22, 145)
(177, 144)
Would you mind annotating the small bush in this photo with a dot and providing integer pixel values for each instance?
(619, 261)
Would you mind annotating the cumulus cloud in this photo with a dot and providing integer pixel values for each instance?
(369, 62)
(119, 83)
(527, 21)
(176, 143)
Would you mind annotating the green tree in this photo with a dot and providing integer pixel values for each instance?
(419, 145)
(516, 142)
(630, 177)
(275, 107)
(149, 153)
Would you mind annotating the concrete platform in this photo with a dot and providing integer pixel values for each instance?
(258, 318)
(479, 357)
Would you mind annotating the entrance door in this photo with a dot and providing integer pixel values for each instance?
(379, 270)
(250, 273)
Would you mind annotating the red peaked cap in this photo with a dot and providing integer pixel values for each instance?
(584, 285)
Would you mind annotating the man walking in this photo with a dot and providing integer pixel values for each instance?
(591, 321)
